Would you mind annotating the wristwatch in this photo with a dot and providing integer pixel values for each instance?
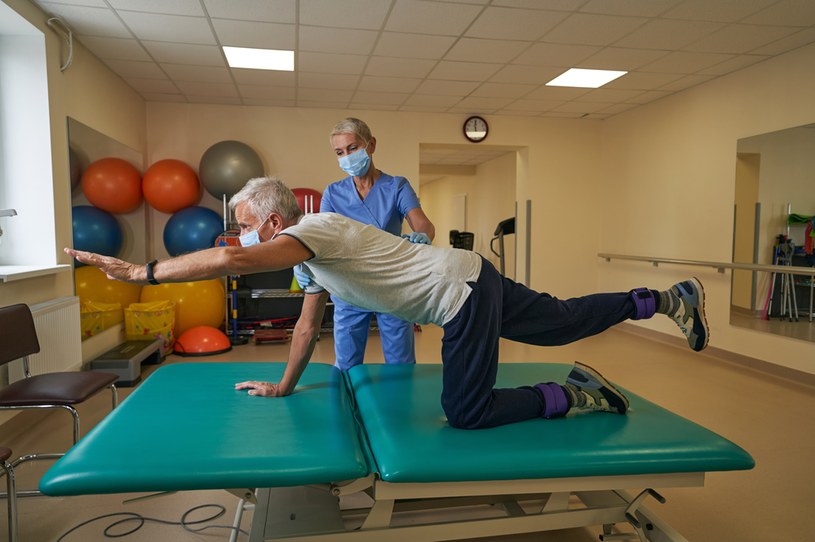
(150, 278)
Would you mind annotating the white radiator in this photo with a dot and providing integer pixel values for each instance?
(60, 337)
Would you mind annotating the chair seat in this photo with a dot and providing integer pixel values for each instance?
(67, 388)
(5, 453)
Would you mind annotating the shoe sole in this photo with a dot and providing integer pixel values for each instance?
(700, 310)
(604, 383)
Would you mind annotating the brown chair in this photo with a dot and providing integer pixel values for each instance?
(62, 390)
(5, 453)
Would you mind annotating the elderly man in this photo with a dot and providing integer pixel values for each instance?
(455, 289)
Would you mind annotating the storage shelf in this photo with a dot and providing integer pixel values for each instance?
(274, 293)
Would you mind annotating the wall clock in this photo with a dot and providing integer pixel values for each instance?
(476, 129)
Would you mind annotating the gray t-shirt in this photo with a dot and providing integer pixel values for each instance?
(380, 272)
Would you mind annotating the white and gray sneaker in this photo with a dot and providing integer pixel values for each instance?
(689, 312)
(589, 391)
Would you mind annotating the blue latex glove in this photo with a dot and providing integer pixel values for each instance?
(417, 237)
(302, 279)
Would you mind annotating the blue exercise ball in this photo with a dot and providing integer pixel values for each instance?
(226, 166)
(96, 230)
(191, 229)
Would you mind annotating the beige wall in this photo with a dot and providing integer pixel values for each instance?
(668, 188)
(87, 91)
(556, 166)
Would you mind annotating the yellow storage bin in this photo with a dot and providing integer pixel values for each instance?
(95, 317)
(151, 320)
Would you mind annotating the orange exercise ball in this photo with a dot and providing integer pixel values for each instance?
(93, 285)
(171, 185)
(199, 303)
(113, 185)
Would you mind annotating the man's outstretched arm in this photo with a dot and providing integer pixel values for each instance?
(280, 253)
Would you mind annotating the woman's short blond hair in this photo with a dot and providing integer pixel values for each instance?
(354, 126)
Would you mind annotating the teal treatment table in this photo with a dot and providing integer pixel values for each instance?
(377, 434)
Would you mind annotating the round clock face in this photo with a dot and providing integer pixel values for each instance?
(475, 129)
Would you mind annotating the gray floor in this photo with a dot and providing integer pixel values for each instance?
(771, 418)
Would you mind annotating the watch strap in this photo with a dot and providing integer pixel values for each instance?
(150, 278)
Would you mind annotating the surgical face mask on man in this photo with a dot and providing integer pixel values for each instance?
(356, 163)
(251, 238)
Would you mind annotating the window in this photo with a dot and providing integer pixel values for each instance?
(26, 174)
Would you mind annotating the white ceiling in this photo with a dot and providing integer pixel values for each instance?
(491, 57)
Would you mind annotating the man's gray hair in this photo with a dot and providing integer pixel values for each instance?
(354, 126)
(267, 195)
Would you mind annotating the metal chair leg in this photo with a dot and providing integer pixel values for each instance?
(12, 502)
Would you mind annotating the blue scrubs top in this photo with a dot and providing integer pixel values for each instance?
(385, 206)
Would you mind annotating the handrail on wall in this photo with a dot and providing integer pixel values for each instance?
(719, 266)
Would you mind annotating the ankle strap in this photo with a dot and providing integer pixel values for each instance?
(644, 303)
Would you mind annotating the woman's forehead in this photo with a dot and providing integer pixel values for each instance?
(344, 139)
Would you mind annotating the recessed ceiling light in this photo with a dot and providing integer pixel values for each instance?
(583, 78)
(259, 59)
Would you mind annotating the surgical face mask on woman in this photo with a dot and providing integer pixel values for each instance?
(252, 237)
(356, 163)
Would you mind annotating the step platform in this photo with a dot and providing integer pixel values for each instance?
(126, 360)
(266, 336)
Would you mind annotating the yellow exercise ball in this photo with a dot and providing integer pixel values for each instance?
(93, 285)
(199, 303)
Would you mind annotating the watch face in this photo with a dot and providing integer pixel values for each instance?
(475, 129)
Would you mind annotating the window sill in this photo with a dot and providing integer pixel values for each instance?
(9, 273)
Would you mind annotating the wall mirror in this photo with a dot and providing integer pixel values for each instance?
(88, 146)
(773, 224)
(103, 300)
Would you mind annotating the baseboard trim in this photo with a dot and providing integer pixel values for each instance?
(19, 424)
(793, 376)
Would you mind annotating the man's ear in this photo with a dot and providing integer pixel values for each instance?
(276, 221)
(371, 146)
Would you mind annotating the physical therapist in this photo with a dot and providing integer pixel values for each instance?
(371, 196)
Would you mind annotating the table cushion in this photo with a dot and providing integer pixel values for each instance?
(399, 406)
(186, 427)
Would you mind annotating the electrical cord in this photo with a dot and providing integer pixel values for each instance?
(186, 524)
(64, 31)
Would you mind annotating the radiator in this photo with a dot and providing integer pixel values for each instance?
(60, 337)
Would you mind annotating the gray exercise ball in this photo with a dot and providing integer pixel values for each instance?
(226, 166)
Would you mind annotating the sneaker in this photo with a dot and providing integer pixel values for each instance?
(591, 392)
(690, 314)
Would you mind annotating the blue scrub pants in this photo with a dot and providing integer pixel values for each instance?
(351, 328)
(499, 307)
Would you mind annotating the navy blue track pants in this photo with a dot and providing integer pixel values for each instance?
(500, 307)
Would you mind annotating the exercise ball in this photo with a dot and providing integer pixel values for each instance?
(199, 303)
(308, 199)
(171, 185)
(96, 230)
(191, 229)
(112, 184)
(202, 341)
(226, 166)
(93, 285)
